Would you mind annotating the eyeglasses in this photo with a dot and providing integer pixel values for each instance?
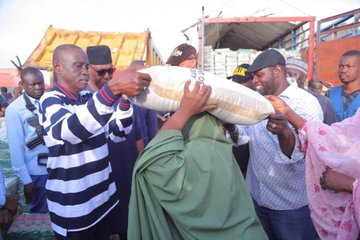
(102, 72)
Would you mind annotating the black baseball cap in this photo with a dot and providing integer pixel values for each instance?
(240, 74)
(268, 58)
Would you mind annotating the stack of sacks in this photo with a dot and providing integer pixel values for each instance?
(208, 59)
(235, 104)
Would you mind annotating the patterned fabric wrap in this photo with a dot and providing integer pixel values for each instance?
(31, 227)
(336, 147)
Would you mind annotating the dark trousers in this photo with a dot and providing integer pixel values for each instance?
(293, 224)
(39, 204)
(100, 231)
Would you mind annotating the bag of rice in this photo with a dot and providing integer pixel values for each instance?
(235, 103)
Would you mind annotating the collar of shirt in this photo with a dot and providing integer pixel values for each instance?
(351, 95)
(66, 92)
(33, 101)
(347, 98)
(290, 90)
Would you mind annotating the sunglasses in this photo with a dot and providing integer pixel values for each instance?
(102, 72)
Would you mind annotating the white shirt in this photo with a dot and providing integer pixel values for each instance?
(274, 180)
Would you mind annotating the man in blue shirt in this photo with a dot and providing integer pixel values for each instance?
(3, 105)
(5, 95)
(27, 148)
(346, 98)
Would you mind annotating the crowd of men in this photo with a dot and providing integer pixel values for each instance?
(103, 168)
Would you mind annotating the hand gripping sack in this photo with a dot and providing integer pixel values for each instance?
(235, 103)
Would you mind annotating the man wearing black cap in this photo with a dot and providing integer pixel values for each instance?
(241, 152)
(144, 129)
(101, 67)
(276, 171)
(242, 76)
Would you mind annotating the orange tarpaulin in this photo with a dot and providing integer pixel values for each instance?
(125, 47)
(9, 77)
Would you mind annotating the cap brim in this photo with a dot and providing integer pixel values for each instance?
(253, 69)
(241, 79)
(229, 77)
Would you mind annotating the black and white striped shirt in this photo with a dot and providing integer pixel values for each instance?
(80, 187)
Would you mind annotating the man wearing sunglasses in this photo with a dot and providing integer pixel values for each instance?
(101, 68)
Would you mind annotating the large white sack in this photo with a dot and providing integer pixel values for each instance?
(235, 103)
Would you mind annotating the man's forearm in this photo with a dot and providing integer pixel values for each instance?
(287, 142)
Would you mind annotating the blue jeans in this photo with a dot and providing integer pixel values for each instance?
(39, 204)
(293, 224)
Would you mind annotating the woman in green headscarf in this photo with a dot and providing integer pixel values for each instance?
(187, 184)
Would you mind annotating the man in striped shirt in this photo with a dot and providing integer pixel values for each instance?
(81, 192)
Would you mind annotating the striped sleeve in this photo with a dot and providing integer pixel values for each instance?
(74, 122)
(121, 122)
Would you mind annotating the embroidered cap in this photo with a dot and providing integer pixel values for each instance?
(297, 64)
(181, 53)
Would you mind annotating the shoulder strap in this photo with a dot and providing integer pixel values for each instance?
(29, 105)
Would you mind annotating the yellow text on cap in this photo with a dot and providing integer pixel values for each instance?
(240, 71)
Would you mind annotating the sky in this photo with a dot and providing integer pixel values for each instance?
(23, 23)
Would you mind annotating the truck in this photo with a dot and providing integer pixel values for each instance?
(334, 36)
(125, 46)
(234, 38)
